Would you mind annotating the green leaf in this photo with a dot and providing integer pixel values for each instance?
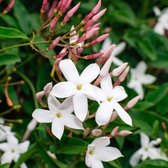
(153, 164)
(10, 33)
(5, 166)
(7, 59)
(23, 17)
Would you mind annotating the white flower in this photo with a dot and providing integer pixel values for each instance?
(138, 78)
(118, 49)
(162, 23)
(78, 87)
(98, 151)
(59, 115)
(13, 149)
(110, 102)
(147, 150)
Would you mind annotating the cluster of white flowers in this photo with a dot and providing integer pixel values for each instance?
(9, 145)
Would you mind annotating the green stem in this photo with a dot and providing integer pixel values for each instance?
(30, 85)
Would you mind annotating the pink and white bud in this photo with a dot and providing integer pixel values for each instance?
(90, 26)
(67, 5)
(47, 89)
(115, 131)
(119, 70)
(32, 125)
(73, 35)
(53, 23)
(97, 16)
(88, 34)
(124, 133)
(124, 74)
(93, 11)
(98, 40)
(9, 7)
(106, 54)
(97, 132)
(39, 96)
(44, 6)
(62, 54)
(54, 43)
(70, 14)
(114, 116)
(132, 102)
(92, 56)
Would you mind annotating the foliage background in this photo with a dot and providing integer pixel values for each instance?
(131, 21)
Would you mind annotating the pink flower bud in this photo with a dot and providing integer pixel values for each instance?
(114, 116)
(53, 23)
(93, 11)
(67, 4)
(59, 5)
(98, 40)
(124, 74)
(88, 34)
(54, 43)
(44, 6)
(47, 89)
(50, 12)
(97, 16)
(62, 54)
(115, 131)
(119, 70)
(90, 26)
(9, 7)
(70, 14)
(132, 102)
(97, 132)
(92, 56)
(124, 133)
(32, 125)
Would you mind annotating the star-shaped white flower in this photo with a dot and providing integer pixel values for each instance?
(147, 150)
(162, 23)
(99, 151)
(78, 87)
(59, 115)
(118, 49)
(138, 78)
(13, 149)
(110, 102)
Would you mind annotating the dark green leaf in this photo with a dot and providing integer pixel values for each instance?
(5, 166)
(7, 59)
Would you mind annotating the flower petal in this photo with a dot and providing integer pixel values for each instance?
(107, 86)
(69, 70)
(12, 140)
(90, 73)
(122, 113)
(72, 121)
(147, 79)
(107, 153)
(104, 113)
(119, 93)
(96, 163)
(23, 165)
(63, 89)
(144, 140)
(7, 157)
(135, 158)
(57, 128)
(101, 142)
(80, 103)
(23, 147)
(117, 61)
(53, 103)
(141, 68)
(67, 105)
(4, 147)
(119, 49)
(42, 116)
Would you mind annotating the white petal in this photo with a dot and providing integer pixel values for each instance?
(90, 73)
(72, 121)
(53, 103)
(107, 86)
(104, 113)
(80, 103)
(63, 89)
(4, 147)
(101, 142)
(73, 35)
(57, 128)
(107, 153)
(147, 79)
(87, 159)
(96, 163)
(141, 68)
(117, 61)
(69, 70)
(43, 116)
(67, 105)
(119, 48)
(107, 43)
(122, 113)
(135, 158)
(159, 28)
(23, 165)
(23, 147)
(7, 157)
(15, 156)
(119, 93)
(144, 140)
(12, 140)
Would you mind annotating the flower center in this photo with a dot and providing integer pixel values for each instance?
(146, 148)
(109, 99)
(79, 87)
(91, 152)
(58, 115)
(12, 150)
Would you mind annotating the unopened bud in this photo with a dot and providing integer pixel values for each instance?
(93, 11)
(115, 131)
(53, 23)
(62, 54)
(124, 133)
(44, 6)
(97, 16)
(132, 102)
(9, 7)
(70, 14)
(32, 125)
(119, 70)
(124, 74)
(92, 56)
(54, 43)
(47, 89)
(66, 6)
(96, 132)
(114, 116)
